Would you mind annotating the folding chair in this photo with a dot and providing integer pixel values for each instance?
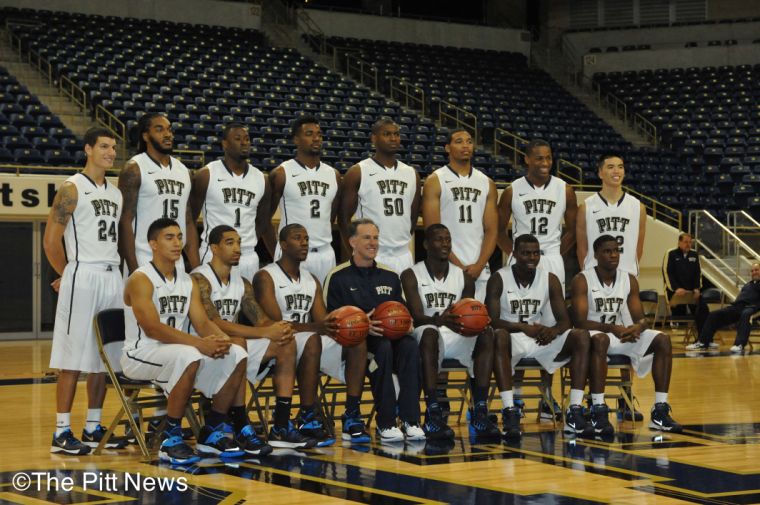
(458, 379)
(109, 329)
(530, 364)
(650, 301)
(709, 296)
(754, 330)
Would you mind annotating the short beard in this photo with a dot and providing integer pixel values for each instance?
(158, 147)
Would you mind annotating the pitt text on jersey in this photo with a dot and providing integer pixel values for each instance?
(172, 304)
(439, 300)
(169, 187)
(103, 207)
(610, 224)
(608, 305)
(239, 196)
(316, 188)
(226, 306)
(298, 301)
(392, 187)
(465, 194)
(525, 306)
(539, 206)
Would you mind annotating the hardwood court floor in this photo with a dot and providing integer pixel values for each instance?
(716, 460)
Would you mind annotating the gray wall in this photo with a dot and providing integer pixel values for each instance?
(211, 12)
(672, 58)
(422, 32)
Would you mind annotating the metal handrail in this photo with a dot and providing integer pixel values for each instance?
(185, 156)
(407, 94)
(74, 92)
(498, 142)
(458, 118)
(728, 239)
(367, 73)
(731, 218)
(115, 125)
(40, 64)
(646, 128)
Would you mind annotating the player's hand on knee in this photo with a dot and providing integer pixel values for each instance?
(631, 334)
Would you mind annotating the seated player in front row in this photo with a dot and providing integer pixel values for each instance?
(519, 298)
(158, 301)
(606, 302)
(225, 294)
(430, 288)
(286, 290)
(363, 283)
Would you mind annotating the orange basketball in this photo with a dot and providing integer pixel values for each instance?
(473, 316)
(394, 318)
(353, 325)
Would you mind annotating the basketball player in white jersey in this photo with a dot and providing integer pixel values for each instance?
(306, 191)
(160, 302)
(614, 212)
(387, 191)
(538, 203)
(520, 299)
(464, 199)
(287, 291)
(154, 184)
(430, 288)
(232, 191)
(225, 294)
(606, 302)
(80, 242)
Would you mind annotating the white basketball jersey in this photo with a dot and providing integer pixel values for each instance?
(307, 200)
(172, 301)
(463, 203)
(164, 192)
(92, 233)
(438, 294)
(539, 211)
(621, 220)
(225, 297)
(232, 200)
(524, 304)
(608, 304)
(385, 197)
(294, 296)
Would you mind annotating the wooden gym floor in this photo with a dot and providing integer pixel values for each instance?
(715, 460)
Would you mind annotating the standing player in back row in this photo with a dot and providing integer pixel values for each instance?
(307, 192)
(386, 191)
(538, 203)
(81, 244)
(233, 192)
(464, 200)
(614, 212)
(154, 184)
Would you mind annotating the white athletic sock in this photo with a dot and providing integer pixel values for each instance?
(160, 412)
(93, 419)
(62, 422)
(576, 396)
(660, 397)
(597, 398)
(507, 399)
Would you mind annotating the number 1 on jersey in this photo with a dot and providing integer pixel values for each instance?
(465, 214)
(171, 208)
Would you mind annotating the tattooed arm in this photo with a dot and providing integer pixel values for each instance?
(63, 207)
(281, 332)
(129, 184)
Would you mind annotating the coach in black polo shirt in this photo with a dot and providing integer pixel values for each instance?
(682, 273)
(365, 284)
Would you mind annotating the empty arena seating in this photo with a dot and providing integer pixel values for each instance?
(708, 118)
(203, 76)
(29, 133)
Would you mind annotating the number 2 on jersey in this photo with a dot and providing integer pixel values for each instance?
(315, 208)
